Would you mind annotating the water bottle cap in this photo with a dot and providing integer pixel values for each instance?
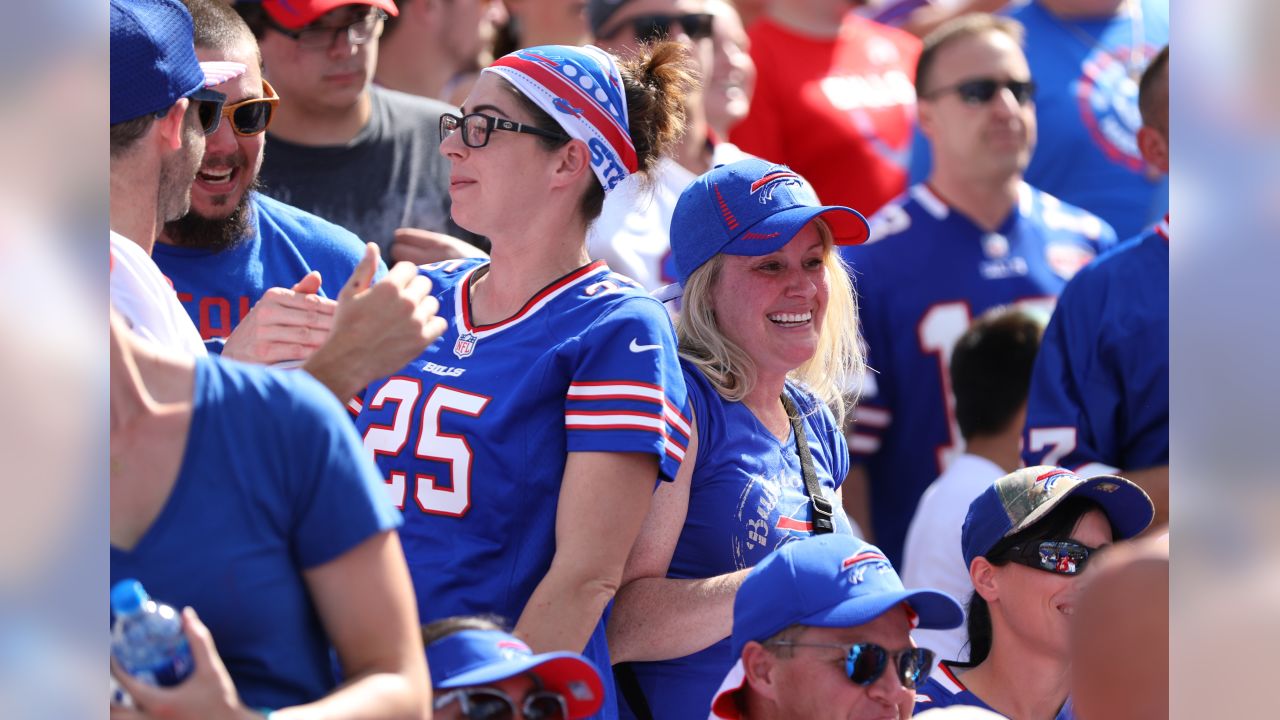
(127, 596)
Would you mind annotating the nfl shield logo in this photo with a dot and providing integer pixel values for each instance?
(465, 345)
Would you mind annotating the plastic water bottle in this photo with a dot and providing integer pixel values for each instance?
(146, 638)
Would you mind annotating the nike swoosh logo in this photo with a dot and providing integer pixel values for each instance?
(641, 348)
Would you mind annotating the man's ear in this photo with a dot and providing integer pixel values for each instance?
(761, 669)
(1154, 147)
(985, 583)
(925, 119)
(169, 128)
(574, 162)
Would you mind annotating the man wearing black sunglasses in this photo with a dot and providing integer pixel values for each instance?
(161, 110)
(481, 672)
(822, 629)
(972, 237)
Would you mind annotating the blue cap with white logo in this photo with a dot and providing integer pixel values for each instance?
(829, 581)
(751, 207)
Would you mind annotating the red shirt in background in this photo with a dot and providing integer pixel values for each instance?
(838, 111)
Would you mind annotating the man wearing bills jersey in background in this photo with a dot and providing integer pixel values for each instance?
(525, 446)
(1100, 390)
(973, 236)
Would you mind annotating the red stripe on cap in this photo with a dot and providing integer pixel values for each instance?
(771, 177)
(848, 562)
(595, 114)
(729, 219)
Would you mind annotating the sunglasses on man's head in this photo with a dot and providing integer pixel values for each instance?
(864, 663)
(1061, 557)
(484, 703)
(980, 91)
(253, 116)
(655, 28)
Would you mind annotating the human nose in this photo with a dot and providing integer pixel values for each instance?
(451, 146)
(222, 140)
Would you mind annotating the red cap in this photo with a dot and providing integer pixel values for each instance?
(295, 14)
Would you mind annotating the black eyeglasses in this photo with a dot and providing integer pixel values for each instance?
(492, 704)
(321, 37)
(477, 127)
(864, 663)
(208, 108)
(252, 116)
(981, 90)
(655, 28)
(1062, 557)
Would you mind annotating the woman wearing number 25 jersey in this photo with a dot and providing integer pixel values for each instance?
(525, 444)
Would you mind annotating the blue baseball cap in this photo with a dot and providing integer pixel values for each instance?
(470, 658)
(750, 207)
(153, 59)
(1023, 497)
(835, 581)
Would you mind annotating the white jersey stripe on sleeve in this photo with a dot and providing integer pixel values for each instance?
(865, 444)
(614, 390)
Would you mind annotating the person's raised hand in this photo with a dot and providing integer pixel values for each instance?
(284, 325)
(377, 327)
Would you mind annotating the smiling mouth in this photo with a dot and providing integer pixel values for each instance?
(790, 320)
(219, 178)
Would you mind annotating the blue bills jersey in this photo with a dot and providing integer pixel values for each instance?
(944, 689)
(217, 289)
(1099, 397)
(472, 436)
(927, 272)
(746, 499)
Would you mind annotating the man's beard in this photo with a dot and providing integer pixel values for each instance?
(214, 234)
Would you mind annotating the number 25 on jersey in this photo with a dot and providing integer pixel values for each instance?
(453, 499)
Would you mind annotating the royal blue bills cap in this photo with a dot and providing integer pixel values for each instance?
(470, 658)
(153, 58)
(834, 581)
(750, 207)
(1020, 499)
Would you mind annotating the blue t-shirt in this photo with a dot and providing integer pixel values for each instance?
(943, 689)
(273, 482)
(1086, 74)
(473, 436)
(1100, 388)
(927, 272)
(218, 289)
(746, 499)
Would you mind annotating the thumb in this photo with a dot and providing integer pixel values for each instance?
(203, 650)
(362, 276)
(309, 284)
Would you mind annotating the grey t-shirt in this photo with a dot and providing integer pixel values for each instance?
(390, 175)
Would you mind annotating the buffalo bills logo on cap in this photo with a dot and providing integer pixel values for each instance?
(863, 561)
(513, 649)
(1046, 481)
(772, 180)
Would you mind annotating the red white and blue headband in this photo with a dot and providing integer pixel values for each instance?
(581, 88)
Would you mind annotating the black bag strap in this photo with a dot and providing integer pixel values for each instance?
(823, 518)
(624, 676)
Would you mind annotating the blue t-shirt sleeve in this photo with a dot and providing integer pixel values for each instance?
(339, 498)
(627, 393)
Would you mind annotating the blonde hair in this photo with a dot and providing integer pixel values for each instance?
(836, 364)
